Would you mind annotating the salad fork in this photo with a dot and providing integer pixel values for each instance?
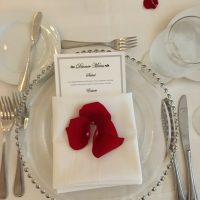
(120, 44)
(7, 121)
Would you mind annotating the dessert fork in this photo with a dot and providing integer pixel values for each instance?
(120, 44)
(7, 121)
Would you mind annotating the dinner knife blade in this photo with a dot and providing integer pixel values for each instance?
(184, 133)
(183, 122)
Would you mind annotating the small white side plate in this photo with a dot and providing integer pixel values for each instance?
(14, 44)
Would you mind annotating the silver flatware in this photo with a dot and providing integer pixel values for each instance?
(169, 132)
(166, 123)
(19, 186)
(6, 122)
(185, 137)
(120, 44)
(34, 36)
(24, 113)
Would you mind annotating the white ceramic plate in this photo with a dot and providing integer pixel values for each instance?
(14, 45)
(161, 61)
(36, 143)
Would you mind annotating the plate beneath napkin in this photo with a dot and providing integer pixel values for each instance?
(80, 170)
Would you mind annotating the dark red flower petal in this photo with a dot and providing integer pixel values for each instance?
(105, 143)
(78, 132)
(106, 127)
(106, 139)
(150, 4)
(95, 112)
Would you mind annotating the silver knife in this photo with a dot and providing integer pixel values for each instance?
(185, 137)
(35, 32)
(169, 130)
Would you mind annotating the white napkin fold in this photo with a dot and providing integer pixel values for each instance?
(80, 170)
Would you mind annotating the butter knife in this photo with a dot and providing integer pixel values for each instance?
(34, 36)
(169, 130)
(185, 137)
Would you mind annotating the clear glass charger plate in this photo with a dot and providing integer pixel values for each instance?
(35, 144)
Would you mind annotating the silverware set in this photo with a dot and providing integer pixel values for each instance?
(169, 130)
(9, 112)
(7, 122)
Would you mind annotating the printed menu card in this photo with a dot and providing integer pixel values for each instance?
(90, 74)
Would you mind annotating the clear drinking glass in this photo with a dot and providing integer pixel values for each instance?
(183, 41)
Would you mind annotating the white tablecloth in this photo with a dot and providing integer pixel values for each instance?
(106, 20)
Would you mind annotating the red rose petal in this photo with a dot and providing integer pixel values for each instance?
(105, 138)
(106, 127)
(105, 143)
(150, 4)
(95, 112)
(78, 132)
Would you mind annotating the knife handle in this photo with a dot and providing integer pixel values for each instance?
(192, 194)
(179, 189)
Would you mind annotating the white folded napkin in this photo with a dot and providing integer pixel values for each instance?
(80, 170)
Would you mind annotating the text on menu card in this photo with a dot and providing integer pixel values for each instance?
(90, 74)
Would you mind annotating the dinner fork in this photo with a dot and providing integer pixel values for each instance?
(120, 44)
(19, 186)
(24, 114)
(7, 121)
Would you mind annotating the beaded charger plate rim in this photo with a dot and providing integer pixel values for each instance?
(144, 70)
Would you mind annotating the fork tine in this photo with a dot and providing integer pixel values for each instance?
(123, 48)
(128, 38)
(5, 111)
(128, 42)
(16, 99)
(128, 45)
(7, 107)
(1, 110)
(11, 107)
